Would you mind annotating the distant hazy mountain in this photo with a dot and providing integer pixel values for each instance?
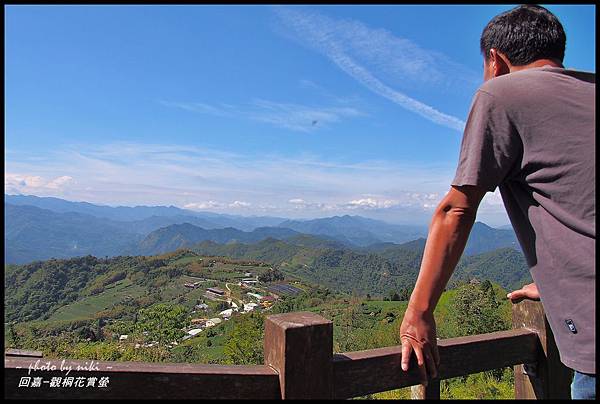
(123, 213)
(150, 224)
(357, 230)
(484, 238)
(146, 218)
(505, 266)
(177, 236)
(32, 233)
(366, 272)
(59, 228)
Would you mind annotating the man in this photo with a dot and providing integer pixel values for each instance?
(530, 132)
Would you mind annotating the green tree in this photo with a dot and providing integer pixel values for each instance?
(14, 337)
(405, 294)
(272, 275)
(98, 333)
(244, 345)
(163, 322)
(475, 310)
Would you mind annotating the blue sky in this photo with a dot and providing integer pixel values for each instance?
(300, 111)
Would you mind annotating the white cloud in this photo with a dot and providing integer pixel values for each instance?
(493, 199)
(27, 183)
(208, 179)
(239, 204)
(301, 204)
(60, 182)
(371, 203)
(365, 54)
(299, 117)
(223, 110)
(208, 205)
(296, 117)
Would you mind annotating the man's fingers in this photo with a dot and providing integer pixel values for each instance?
(517, 294)
(526, 292)
(421, 363)
(436, 355)
(406, 350)
(430, 362)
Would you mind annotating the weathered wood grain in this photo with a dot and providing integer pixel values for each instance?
(545, 376)
(299, 346)
(137, 380)
(376, 370)
(299, 364)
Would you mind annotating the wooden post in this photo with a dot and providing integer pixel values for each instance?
(547, 378)
(299, 346)
(429, 392)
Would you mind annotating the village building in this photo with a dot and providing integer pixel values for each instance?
(249, 307)
(216, 291)
(194, 331)
(198, 320)
(213, 321)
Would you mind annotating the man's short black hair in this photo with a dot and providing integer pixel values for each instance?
(525, 34)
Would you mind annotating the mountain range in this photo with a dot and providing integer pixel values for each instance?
(39, 228)
(364, 272)
(145, 217)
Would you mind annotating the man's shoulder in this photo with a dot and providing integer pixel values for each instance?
(532, 81)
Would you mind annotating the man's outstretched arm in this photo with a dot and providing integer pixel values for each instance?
(448, 233)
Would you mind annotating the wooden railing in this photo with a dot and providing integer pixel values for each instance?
(300, 364)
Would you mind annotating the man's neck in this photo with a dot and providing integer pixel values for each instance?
(537, 63)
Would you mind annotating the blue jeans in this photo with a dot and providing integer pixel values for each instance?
(583, 386)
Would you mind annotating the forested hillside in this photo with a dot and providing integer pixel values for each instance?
(36, 234)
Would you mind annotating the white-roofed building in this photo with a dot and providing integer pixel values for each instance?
(249, 306)
(213, 321)
(194, 331)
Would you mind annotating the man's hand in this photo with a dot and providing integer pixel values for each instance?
(526, 292)
(446, 240)
(418, 334)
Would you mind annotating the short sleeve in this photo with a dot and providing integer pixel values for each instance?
(490, 146)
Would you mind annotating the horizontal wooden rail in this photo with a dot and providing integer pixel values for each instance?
(299, 363)
(354, 373)
(20, 353)
(379, 369)
(139, 380)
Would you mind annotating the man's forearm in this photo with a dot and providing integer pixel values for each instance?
(448, 234)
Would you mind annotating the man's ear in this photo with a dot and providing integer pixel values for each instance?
(499, 64)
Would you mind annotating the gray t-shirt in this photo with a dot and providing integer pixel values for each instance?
(532, 134)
